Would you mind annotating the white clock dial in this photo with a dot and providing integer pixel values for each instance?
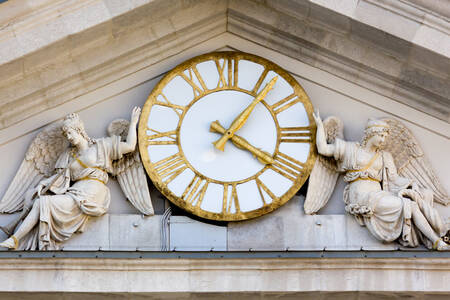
(177, 144)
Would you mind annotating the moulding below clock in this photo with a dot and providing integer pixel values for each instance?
(225, 275)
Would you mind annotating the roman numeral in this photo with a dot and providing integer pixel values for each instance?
(285, 103)
(170, 167)
(221, 68)
(229, 79)
(162, 138)
(178, 109)
(195, 191)
(261, 186)
(296, 134)
(190, 78)
(260, 81)
(228, 200)
(287, 166)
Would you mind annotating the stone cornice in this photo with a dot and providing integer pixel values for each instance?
(350, 49)
(84, 45)
(225, 275)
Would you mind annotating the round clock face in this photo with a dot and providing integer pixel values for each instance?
(264, 124)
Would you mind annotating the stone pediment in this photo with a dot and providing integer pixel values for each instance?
(55, 52)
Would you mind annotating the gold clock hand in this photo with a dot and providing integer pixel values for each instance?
(242, 143)
(243, 116)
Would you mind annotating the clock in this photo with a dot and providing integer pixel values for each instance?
(228, 136)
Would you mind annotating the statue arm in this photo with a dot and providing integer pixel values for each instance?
(130, 144)
(321, 141)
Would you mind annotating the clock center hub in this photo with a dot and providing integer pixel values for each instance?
(233, 164)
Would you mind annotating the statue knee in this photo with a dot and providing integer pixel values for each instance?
(37, 203)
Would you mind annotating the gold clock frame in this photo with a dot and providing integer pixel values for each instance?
(228, 56)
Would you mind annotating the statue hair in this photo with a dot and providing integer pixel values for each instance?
(73, 121)
(374, 127)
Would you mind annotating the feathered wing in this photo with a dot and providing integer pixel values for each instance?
(324, 175)
(39, 163)
(411, 161)
(130, 172)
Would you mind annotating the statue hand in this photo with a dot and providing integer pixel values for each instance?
(39, 189)
(316, 116)
(135, 116)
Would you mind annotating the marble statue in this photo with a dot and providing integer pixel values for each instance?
(391, 188)
(62, 181)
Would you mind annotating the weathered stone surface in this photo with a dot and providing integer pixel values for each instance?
(135, 232)
(370, 54)
(94, 238)
(288, 228)
(229, 276)
(190, 235)
(95, 35)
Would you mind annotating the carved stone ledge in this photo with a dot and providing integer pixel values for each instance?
(225, 275)
(100, 55)
(52, 54)
(393, 67)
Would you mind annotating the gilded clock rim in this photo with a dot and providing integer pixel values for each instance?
(239, 215)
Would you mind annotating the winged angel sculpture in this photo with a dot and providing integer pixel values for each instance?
(390, 185)
(62, 181)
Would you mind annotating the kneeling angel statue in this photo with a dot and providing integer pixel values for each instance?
(390, 188)
(62, 182)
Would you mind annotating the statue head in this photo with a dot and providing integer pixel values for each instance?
(73, 129)
(375, 133)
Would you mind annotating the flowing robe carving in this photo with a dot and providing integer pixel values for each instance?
(67, 212)
(373, 195)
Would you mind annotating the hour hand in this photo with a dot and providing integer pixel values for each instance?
(242, 143)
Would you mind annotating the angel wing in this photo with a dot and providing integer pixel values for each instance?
(39, 163)
(411, 161)
(324, 173)
(130, 172)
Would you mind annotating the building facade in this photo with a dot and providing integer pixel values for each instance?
(355, 60)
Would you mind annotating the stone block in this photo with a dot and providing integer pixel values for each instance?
(118, 7)
(272, 232)
(253, 10)
(41, 35)
(10, 48)
(346, 7)
(187, 234)
(95, 236)
(11, 72)
(135, 232)
(329, 18)
(432, 39)
(288, 228)
(426, 81)
(359, 238)
(85, 17)
(428, 59)
(386, 20)
(297, 9)
(262, 234)
(370, 36)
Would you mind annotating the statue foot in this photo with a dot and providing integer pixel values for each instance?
(10, 243)
(442, 246)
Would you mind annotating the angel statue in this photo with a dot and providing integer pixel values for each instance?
(62, 181)
(390, 185)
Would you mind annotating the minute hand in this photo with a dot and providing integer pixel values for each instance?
(243, 116)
